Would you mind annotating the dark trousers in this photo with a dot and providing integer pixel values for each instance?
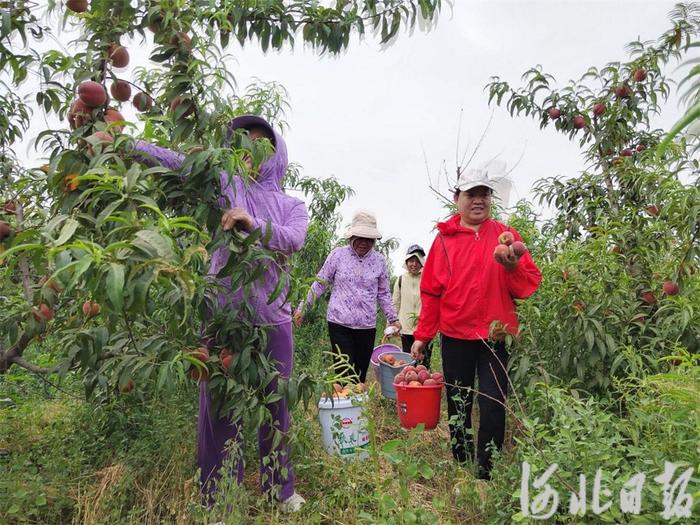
(356, 343)
(407, 342)
(462, 360)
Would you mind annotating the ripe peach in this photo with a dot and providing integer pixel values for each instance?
(579, 122)
(337, 387)
(101, 139)
(647, 297)
(652, 210)
(43, 312)
(623, 91)
(77, 6)
(411, 376)
(423, 375)
(118, 55)
(414, 383)
(640, 75)
(641, 147)
(671, 288)
(155, 23)
(401, 362)
(120, 90)
(409, 368)
(554, 113)
(506, 238)
(598, 109)
(199, 374)
(111, 116)
(79, 114)
(92, 94)
(5, 230)
(226, 361)
(142, 102)
(201, 354)
(437, 376)
(430, 382)
(10, 207)
(501, 253)
(627, 152)
(128, 387)
(421, 367)
(399, 378)
(186, 103)
(182, 40)
(519, 248)
(87, 308)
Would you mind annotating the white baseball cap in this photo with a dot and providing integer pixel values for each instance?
(474, 177)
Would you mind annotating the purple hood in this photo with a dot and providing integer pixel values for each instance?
(269, 206)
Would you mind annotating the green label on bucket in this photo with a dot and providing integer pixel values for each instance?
(353, 450)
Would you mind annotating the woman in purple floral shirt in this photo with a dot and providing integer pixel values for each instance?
(359, 279)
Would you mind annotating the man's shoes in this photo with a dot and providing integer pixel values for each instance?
(292, 504)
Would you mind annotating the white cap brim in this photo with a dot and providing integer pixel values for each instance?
(470, 184)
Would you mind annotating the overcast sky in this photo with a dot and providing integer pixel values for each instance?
(373, 117)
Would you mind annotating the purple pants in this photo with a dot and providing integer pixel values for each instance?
(214, 432)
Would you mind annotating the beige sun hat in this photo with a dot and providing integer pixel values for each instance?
(364, 224)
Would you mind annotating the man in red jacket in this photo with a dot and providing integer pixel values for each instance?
(467, 294)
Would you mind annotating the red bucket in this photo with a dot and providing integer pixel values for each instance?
(418, 404)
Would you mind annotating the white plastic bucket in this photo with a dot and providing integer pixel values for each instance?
(343, 426)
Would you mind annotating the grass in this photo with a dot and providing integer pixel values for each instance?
(65, 461)
(134, 463)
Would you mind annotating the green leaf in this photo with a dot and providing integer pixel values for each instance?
(391, 446)
(426, 471)
(67, 232)
(79, 268)
(154, 244)
(115, 285)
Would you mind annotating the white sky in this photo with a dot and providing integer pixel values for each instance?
(372, 117)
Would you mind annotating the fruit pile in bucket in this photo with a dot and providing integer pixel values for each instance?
(418, 376)
(346, 391)
(391, 360)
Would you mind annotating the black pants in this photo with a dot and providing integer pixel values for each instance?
(356, 343)
(461, 361)
(407, 342)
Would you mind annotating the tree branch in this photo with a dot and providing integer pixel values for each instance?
(23, 265)
(21, 362)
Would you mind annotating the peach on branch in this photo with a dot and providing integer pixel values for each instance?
(92, 93)
(598, 109)
(142, 102)
(77, 6)
(671, 288)
(118, 55)
(554, 113)
(120, 90)
(5, 230)
(79, 114)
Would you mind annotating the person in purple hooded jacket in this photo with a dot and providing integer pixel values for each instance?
(261, 203)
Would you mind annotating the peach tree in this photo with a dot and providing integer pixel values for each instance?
(105, 255)
(620, 252)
